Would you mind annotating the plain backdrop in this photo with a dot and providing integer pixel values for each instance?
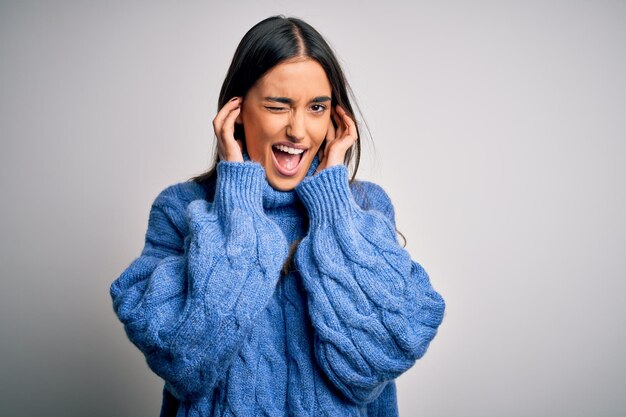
(498, 130)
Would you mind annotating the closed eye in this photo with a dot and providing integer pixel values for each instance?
(275, 109)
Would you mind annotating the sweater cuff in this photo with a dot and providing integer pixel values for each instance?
(239, 185)
(327, 194)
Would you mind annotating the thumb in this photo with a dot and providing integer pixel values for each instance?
(240, 143)
(322, 151)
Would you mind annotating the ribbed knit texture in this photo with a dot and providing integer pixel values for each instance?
(206, 304)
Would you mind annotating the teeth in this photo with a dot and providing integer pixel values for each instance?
(287, 149)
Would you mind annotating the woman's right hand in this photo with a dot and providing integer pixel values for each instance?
(228, 148)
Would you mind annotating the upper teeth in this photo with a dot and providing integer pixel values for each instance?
(287, 149)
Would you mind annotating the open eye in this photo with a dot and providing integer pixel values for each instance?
(318, 108)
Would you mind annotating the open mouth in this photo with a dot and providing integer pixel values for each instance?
(288, 158)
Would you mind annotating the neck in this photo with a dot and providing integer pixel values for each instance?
(276, 199)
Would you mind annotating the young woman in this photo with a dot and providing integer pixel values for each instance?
(273, 284)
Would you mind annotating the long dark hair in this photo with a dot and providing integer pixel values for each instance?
(269, 43)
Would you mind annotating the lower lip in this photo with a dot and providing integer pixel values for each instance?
(287, 172)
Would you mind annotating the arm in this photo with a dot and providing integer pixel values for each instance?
(373, 309)
(189, 308)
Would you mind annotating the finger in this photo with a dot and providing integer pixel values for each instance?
(351, 128)
(228, 127)
(240, 143)
(330, 137)
(218, 121)
(224, 126)
(338, 120)
(331, 132)
(321, 153)
(350, 132)
(336, 116)
(232, 149)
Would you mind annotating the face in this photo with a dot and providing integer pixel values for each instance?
(285, 116)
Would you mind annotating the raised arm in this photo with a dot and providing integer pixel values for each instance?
(373, 309)
(188, 302)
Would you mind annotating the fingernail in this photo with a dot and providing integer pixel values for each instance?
(234, 98)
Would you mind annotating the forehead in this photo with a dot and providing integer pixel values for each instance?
(301, 79)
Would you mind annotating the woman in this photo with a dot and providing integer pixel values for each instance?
(272, 285)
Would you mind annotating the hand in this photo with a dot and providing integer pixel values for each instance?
(228, 148)
(339, 140)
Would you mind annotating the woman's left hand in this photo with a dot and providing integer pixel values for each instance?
(339, 140)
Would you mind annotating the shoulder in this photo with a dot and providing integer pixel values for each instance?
(371, 196)
(180, 194)
(169, 208)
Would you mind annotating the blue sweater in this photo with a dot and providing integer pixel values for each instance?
(231, 334)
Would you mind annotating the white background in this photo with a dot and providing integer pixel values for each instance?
(499, 132)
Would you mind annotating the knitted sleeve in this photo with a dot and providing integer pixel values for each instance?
(188, 304)
(373, 309)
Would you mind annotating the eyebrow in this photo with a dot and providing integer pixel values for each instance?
(287, 100)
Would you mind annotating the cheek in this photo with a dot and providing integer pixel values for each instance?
(261, 127)
(318, 131)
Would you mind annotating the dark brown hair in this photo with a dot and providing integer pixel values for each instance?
(270, 42)
(267, 44)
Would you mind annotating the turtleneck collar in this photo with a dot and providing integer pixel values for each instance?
(273, 198)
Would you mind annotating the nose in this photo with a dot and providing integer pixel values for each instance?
(295, 127)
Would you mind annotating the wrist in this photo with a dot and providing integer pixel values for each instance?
(327, 195)
(239, 186)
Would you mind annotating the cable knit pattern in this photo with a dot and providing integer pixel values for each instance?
(373, 309)
(189, 313)
(207, 305)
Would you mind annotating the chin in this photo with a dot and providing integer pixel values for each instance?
(283, 184)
